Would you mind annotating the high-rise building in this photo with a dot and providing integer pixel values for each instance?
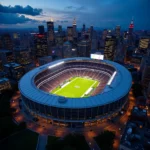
(41, 29)
(50, 31)
(70, 33)
(104, 34)
(6, 42)
(59, 29)
(45, 60)
(40, 42)
(83, 28)
(4, 84)
(22, 55)
(1, 65)
(14, 70)
(146, 73)
(131, 27)
(59, 39)
(110, 47)
(117, 31)
(91, 32)
(6, 56)
(68, 50)
(84, 48)
(74, 28)
(143, 44)
(50, 35)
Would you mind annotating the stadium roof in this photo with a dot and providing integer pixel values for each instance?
(118, 88)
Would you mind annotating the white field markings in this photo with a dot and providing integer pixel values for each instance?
(65, 85)
(89, 88)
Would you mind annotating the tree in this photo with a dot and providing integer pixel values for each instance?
(105, 140)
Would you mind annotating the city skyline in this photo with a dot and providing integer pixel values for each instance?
(101, 14)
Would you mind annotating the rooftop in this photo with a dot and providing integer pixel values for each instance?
(12, 65)
(3, 80)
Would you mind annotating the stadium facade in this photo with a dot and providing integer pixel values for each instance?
(107, 100)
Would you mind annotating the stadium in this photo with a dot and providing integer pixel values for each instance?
(76, 92)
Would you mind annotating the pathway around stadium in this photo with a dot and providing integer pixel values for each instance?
(43, 128)
(42, 141)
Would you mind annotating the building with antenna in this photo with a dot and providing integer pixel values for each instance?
(74, 28)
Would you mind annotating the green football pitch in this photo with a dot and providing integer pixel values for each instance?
(76, 87)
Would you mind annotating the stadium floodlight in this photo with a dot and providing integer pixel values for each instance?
(56, 64)
(111, 79)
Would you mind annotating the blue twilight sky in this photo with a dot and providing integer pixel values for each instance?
(99, 13)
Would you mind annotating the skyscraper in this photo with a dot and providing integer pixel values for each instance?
(74, 28)
(146, 73)
(84, 48)
(70, 33)
(131, 27)
(22, 55)
(6, 42)
(50, 35)
(59, 29)
(110, 47)
(143, 44)
(117, 30)
(41, 29)
(83, 28)
(40, 42)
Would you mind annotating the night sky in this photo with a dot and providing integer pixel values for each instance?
(99, 13)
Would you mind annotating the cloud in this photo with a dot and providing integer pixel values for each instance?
(9, 18)
(28, 10)
(73, 8)
(70, 7)
(62, 21)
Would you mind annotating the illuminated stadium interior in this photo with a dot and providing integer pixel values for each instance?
(75, 79)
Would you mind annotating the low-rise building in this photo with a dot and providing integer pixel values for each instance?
(4, 84)
(14, 71)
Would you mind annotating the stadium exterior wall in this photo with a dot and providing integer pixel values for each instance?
(80, 114)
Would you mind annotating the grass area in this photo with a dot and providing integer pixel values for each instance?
(24, 140)
(76, 87)
(69, 142)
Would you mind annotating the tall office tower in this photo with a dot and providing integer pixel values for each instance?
(40, 42)
(143, 44)
(83, 28)
(91, 32)
(74, 28)
(4, 84)
(45, 60)
(6, 42)
(148, 91)
(67, 50)
(131, 27)
(59, 29)
(22, 55)
(59, 39)
(14, 70)
(125, 35)
(104, 34)
(146, 74)
(6, 56)
(41, 29)
(1, 65)
(50, 35)
(117, 31)
(84, 48)
(70, 33)
(110, 47)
